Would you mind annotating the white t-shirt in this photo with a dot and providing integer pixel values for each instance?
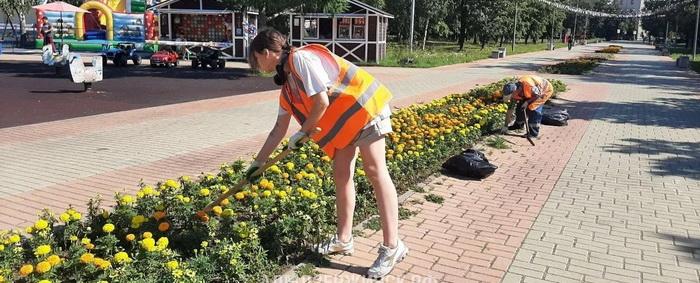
(316, 73)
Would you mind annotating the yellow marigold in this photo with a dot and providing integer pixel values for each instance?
(122, 257)
(53, 260)
(73, 238)
(186, 199)
(148, 190)
(41, 224)
(163, 226)
(254, 194)
(185, 178)
(309, 166)
(290, 166)
(87, 258)
(101, 263)
(267, 193)
(75, 216)
(108, 228)
(2, 247)
(65, 217)
(130, 237)
(29, 229)
(163, 242)
(326, 158)
(43, 267)
(26, 269)
(204, 192)
(148, 244)
(173, 184)
(217, 210)
(14, 239)
(42, 250)
(172, 265)
(147, 235)
(45, 281)
(239, 196)
(126, 199)
(225, 202)
(85, 241)
(282, 194)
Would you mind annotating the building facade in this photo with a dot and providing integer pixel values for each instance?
(633, 6)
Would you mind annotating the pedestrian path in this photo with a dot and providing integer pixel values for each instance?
(54, 164)
(609, 198)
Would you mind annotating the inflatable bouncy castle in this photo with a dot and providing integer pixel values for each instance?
(108, 22)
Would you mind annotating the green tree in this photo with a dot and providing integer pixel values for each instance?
(19, 9)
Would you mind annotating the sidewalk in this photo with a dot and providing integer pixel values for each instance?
(612, 197)
(54, 164)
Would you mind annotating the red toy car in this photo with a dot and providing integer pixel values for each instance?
(165, 58)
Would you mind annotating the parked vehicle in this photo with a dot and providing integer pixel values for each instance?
(209, 56)
(120, 54)
(166, 58)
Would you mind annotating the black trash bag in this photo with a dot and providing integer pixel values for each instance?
(555, 117)
(470, 163)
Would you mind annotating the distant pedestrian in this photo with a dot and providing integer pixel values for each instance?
(570, 40)
(47, 33)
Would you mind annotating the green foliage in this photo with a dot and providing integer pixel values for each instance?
(435, 198)
(373, 224)
(405, 213)
(443, 53)
(306, 269)
(497, 142)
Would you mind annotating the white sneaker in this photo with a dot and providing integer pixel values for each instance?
(387, 259)
(335, 246)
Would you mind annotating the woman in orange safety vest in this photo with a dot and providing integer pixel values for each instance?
(322, 90)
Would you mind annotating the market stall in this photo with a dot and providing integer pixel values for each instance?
(195, 23)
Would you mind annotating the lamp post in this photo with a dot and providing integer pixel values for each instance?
(413, 15)
(515, 28)
(697, 22)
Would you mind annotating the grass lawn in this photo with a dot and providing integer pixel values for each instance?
(678, 52)
(446, 53)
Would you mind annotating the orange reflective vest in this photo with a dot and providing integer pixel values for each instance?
(356, 98)
(534, 89)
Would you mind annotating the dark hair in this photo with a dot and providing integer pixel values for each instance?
(269, 39)
(45, 18)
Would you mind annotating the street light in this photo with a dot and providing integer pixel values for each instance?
(697, 21)
(413, 15)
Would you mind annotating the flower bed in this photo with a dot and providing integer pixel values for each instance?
(574, 66)
(154, 235)
(612, 49)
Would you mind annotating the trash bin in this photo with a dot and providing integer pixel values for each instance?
(683, 62)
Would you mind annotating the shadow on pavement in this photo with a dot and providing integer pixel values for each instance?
(666, 157)
(688, 245)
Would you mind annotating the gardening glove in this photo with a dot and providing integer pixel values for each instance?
(254, 166)
(295, 139)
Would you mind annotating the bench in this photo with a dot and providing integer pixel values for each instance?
(498, 54)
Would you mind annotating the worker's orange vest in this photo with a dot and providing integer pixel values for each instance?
(545, 87)
(356, 98)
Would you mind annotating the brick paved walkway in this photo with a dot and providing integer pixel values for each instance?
(54, 164)
(609, 198)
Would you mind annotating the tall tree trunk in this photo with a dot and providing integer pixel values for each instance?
(462, 35)
(425, 34)
(503, 38)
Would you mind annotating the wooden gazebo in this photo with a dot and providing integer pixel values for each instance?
(357, 34)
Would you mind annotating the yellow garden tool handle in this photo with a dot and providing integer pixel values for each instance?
(202, 214)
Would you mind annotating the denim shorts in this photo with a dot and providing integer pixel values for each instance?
(374, 133)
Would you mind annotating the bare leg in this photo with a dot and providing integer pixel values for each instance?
(343, 172)
(374, 162)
